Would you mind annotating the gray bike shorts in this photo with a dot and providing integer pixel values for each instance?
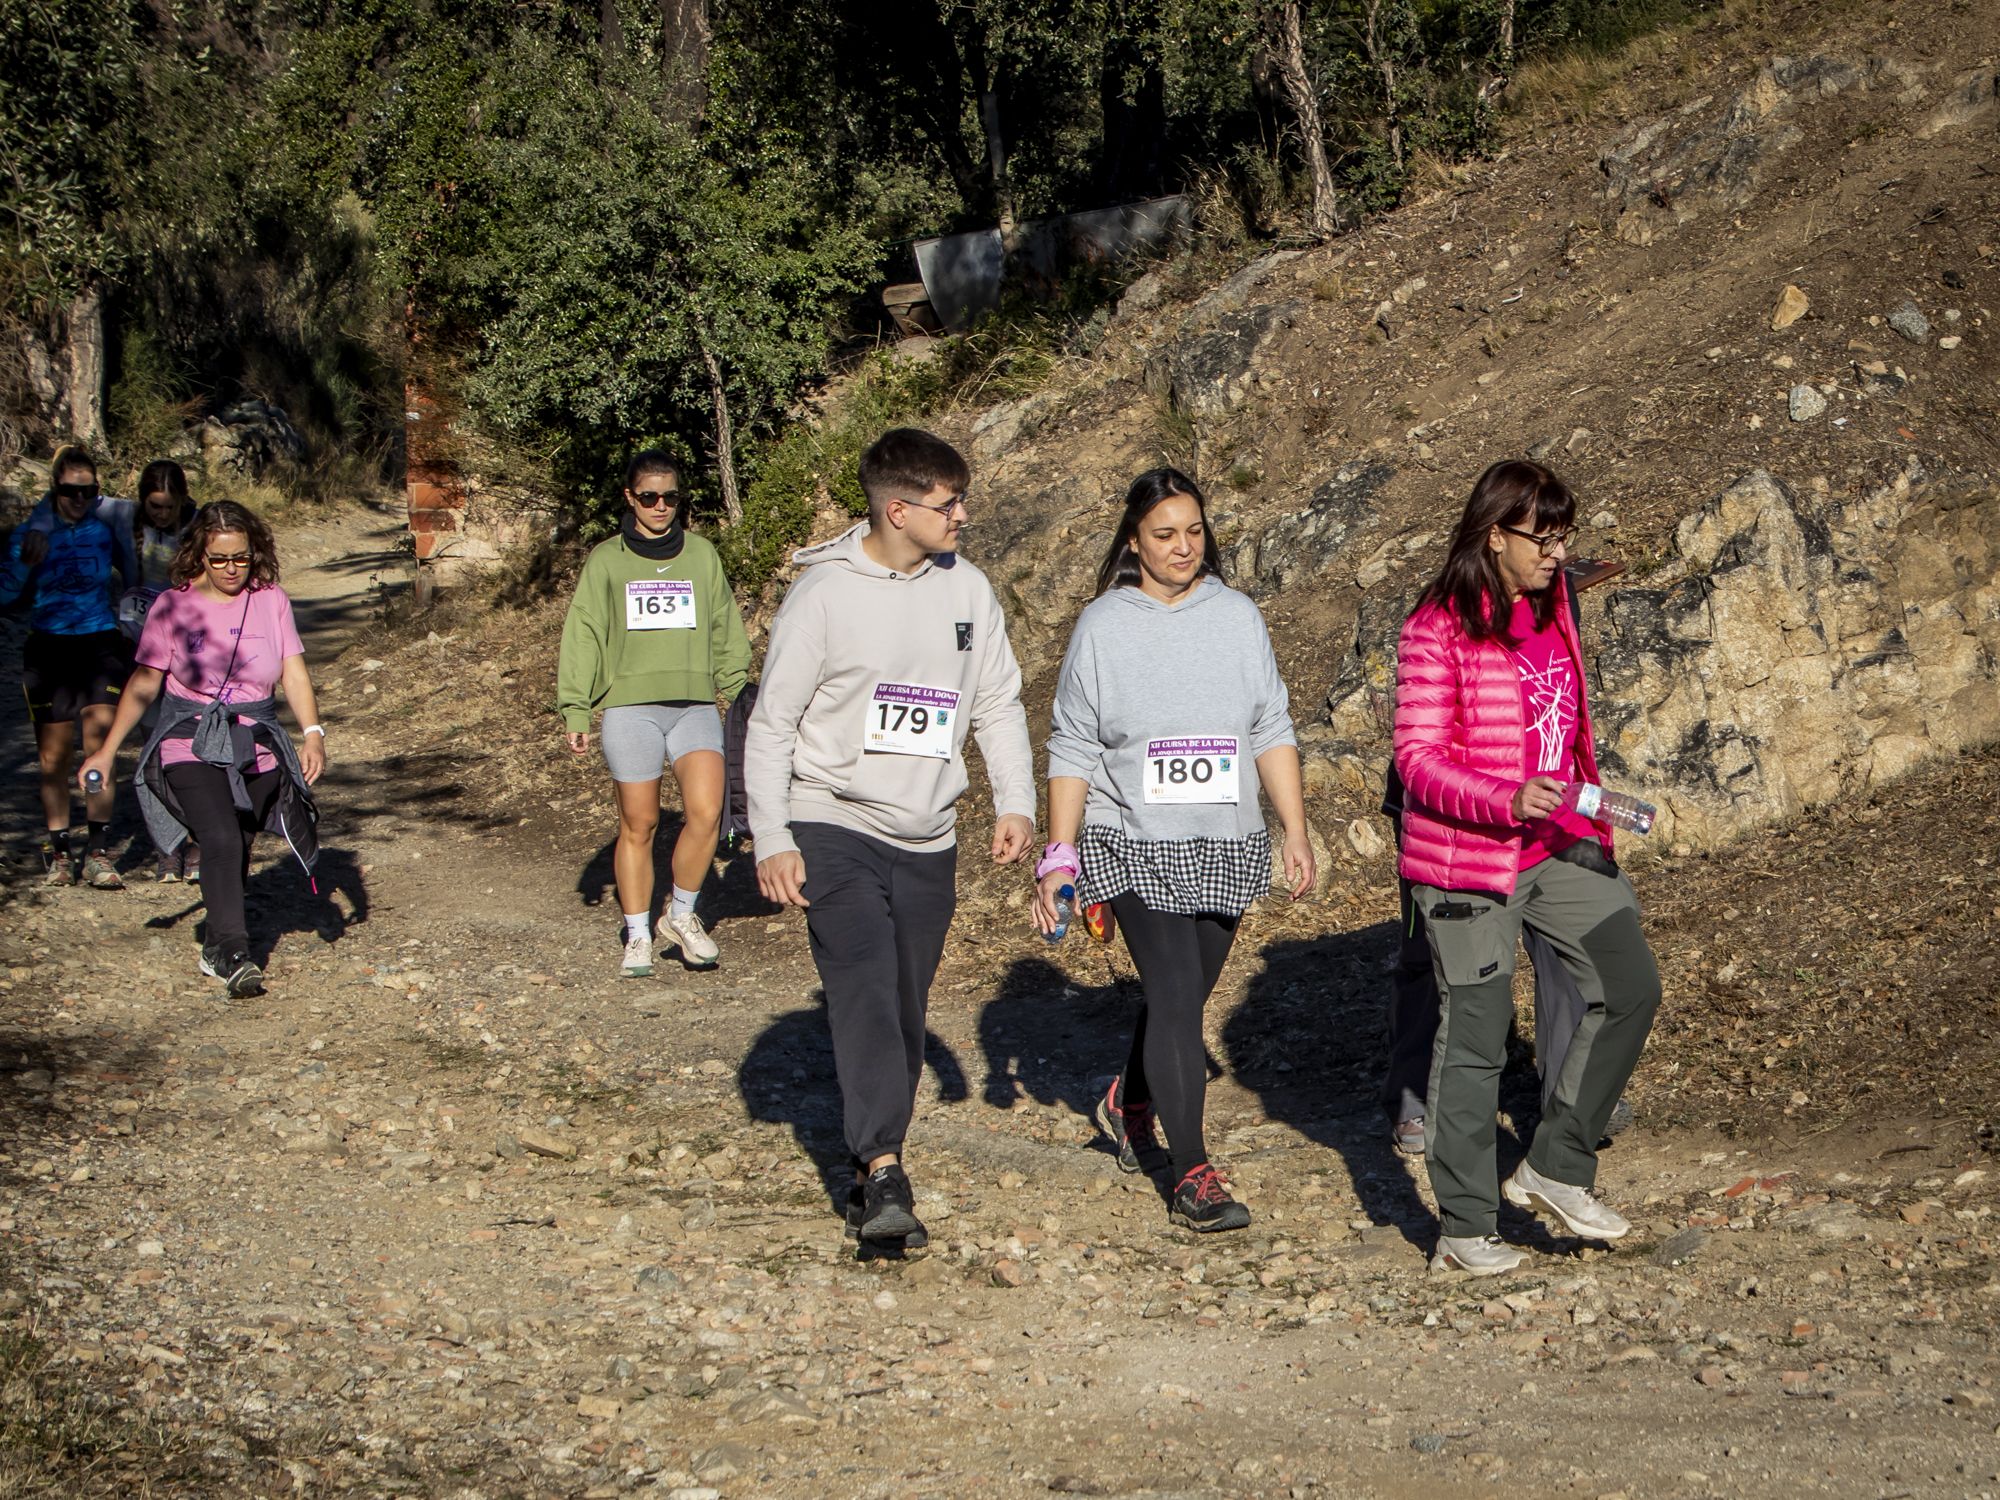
(642, 739)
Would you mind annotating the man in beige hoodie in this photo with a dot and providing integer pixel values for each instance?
(887, 650)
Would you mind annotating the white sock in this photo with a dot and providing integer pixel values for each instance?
(683, 904)
(635, 926)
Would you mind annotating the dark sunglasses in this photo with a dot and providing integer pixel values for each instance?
(1545, 543)
(651, 498)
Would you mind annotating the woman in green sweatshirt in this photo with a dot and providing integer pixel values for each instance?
(653, 637)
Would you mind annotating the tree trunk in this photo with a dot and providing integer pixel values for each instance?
(85, 336)
(1380, 55)
(610, 32)
(1286, 42)
(684, 43)
(725, 433)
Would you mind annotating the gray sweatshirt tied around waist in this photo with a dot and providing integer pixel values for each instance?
(1148, 688)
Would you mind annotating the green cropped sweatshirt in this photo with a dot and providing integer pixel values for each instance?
(606, 664)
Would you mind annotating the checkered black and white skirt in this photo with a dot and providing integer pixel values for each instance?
(1189, 877)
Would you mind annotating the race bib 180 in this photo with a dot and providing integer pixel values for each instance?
(1198, 769)
(659, 604)
(907, 718)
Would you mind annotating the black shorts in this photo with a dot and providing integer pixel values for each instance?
(65, 674)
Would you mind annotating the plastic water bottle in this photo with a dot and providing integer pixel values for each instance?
(93, 781)
(1620, 809)
(1065, 904)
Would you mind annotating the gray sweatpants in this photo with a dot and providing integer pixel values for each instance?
(1591, 922)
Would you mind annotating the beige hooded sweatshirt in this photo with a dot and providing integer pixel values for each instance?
(871, 681)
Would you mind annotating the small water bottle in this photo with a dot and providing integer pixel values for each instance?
(1065, 904)
(93, 781)
(1620, 809)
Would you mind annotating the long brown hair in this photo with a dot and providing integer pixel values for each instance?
(1120, 568)
(213, 519)
(1513, 492)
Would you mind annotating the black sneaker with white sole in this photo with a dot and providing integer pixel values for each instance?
(917, 1239)
(238, 971)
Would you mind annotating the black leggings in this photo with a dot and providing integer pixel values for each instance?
(1179, 960)
(225, 836)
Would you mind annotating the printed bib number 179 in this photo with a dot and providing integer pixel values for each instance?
(907, 718)
(659, 604)
(1192, 770)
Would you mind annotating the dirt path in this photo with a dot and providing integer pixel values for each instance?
(455, 1212)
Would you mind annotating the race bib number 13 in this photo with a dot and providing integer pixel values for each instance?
(659, 604)
(1192, 770)
(907, 718)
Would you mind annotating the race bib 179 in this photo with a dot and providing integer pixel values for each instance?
(659, 604)
(907, 718)
(1198, 769)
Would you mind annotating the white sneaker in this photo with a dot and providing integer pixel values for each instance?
(1579, 1209)
(1476, 1255)
(698, 950)
(638, 956)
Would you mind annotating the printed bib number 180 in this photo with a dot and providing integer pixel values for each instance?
(907, 718)
(1192, 770)
(659, 604)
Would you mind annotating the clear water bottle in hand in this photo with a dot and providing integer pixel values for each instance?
(1620, 809)
(1065, 905)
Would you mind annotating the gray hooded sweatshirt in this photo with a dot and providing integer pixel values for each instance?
(1180, 699)
(871, 681)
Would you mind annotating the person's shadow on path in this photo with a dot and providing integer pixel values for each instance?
(1307, 1039)
(726, 894)
(787, 1078)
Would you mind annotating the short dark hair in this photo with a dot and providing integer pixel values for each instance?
(907, 461)
(211, 520)
(1120, 568)
(1513, 492)
(651, 461)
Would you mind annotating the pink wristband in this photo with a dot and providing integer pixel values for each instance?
(1058, 857)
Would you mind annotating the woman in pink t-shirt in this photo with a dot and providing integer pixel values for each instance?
(222, 635)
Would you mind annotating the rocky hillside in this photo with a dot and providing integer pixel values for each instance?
(1751, 323)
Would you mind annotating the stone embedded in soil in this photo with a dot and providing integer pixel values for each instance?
(1909, 321)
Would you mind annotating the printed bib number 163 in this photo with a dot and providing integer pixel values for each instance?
(659, 604)
(907, 718)
(1192, 770)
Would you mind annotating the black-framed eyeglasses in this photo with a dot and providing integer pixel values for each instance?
(956, 502)
(77, 491)
(228, 564)
(647, 499)
(1547, 542)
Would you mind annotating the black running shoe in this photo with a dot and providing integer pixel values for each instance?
(1202, 1203)
(238, 972)
(917, 1239)
(1132, 1132)
(888, 1209)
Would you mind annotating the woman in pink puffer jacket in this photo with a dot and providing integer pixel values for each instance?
(1492, 723)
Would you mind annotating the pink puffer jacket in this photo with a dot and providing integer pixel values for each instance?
(1461, 748)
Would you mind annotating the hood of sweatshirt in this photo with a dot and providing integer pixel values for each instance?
(845, 551)
(1207, 590)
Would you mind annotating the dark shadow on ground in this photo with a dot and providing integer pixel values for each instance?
(1307, 1039)
(728, 893)
(787, 1078)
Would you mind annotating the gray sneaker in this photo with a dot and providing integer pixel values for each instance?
(1476, 1255)
(1581, 1211)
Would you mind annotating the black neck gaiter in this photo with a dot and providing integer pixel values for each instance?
(657, 548)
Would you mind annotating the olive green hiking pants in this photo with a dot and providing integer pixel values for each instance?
(1592, 923)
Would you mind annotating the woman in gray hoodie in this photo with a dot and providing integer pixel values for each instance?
(1169, 718)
